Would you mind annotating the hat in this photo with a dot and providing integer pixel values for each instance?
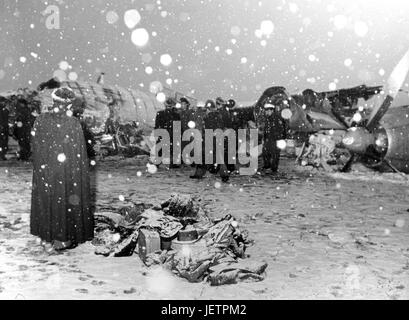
(63, 95)
(269, 105)
(20, 98)
(220, 101)
(310, 95)
(231, 103)
(201, 104)
(210, 104)
(309, 92)
(274, 90)
(170, 102)
(184, 100)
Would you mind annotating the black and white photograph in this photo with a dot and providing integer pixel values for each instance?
(204, 150)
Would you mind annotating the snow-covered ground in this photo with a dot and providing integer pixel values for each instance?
(338, 236)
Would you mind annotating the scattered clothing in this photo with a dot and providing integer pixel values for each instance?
(217, 255)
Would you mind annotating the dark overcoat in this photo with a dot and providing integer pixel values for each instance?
(60, 204)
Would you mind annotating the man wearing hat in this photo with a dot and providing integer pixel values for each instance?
(220, 102)
(24, 121)
(213, 120)
(275, 128)
(4, 128)
(186, 116)
(185, 104)
(223, 107)
(61, 214)
(199, 117)
(186, 113)
(164, 120)
(231, 103)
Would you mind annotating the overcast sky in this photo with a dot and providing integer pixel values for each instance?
(229, 48)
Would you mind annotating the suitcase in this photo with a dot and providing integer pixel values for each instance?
(148, 242)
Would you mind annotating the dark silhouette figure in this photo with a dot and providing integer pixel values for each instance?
(213, 120)
(22, 128)
(164, 120)
(60, 207)
(4, 128)
(269, 108)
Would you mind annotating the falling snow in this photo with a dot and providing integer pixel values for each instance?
(140, 37)
(132, 18)
(61, 157)
(231, 48)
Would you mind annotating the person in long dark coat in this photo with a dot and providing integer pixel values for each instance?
(200, 119)
(213, 120)
(164, 120)
(60, 204)
(4, 128)
(242, 118)
(275, 129)
(223, 107)
(186, 112)
(22, 128)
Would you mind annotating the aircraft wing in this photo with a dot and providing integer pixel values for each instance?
(312, 121)
(402, 99)
(323, 121)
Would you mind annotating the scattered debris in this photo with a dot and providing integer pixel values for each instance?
(180, 236)
(235, 272)
(323, 151)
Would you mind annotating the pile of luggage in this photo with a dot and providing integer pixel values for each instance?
(179, 235)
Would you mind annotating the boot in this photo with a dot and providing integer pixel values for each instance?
(199, 173)
(213, 169)
(224, 174)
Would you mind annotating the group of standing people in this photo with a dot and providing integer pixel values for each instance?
(221, 114)
(18, 115)
(212, 115)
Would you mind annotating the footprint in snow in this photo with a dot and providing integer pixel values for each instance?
(85, 291)
(97, 283)
(130, 291)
